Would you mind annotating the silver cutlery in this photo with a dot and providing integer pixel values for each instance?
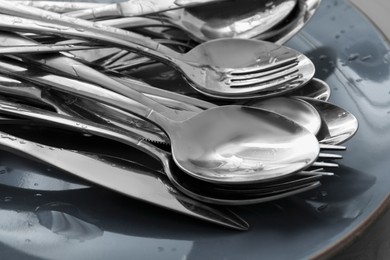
(146, 186)
(93, 92)
(59, 6)
(248, 151)
(229, 19)
(137, 8)
(339, 124)
(183, 125)
(45, 48)
(254, 193)
(292, 108)
(279, 33)
(223, 73)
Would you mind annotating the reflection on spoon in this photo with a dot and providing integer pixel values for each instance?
(292, 108)
(339, 124)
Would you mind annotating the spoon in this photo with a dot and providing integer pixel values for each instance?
(223, 72)
(279, 33)
(59, 62)
(339, 124)
(230, 19)
(315, 88)
(292, 108)
(68, 85)
(286, 29)
(107, 97)
(18, 70)
(45, 48)
(193, 151)
(71, 105)
(180, 180)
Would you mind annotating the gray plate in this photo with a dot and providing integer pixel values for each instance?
(46, 214)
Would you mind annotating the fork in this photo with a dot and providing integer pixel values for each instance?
(251, 68)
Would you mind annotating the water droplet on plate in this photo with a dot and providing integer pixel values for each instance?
(353, 56)
(367, 57)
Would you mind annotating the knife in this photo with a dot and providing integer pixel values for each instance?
(145, 185)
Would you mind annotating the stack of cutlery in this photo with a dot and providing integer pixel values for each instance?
(257, 127)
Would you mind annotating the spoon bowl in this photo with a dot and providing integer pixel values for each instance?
(227, 194)
(256, 145)
(292, 108)
(339, 124)
(315, 88)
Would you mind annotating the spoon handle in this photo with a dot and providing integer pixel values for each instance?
(129, 138)
(44, 48)
(166, 97)
(145, 186)
(59, 6)
(76, 69)
(136, 8)
(66, 25)
(72, 86)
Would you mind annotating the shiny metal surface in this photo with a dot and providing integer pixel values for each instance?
(203, 191)
(230, 19)
(313, 225)
(246, 162)
(85, 90)
(225, 168)
(27, 46)
(302, 15)
(44, 48)
(137, 8)
(60, 6)
(257, 145)
(316, 88)
(146, 186)
(294, 109)
(281, 32)
(213, 68)
(339, 124)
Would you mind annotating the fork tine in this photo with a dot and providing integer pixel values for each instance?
(325, 164)
(274, 85)
(258, 78)
(330, 156)
(268, 66)
(333, 147)
(263, 73)
(310, 173)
